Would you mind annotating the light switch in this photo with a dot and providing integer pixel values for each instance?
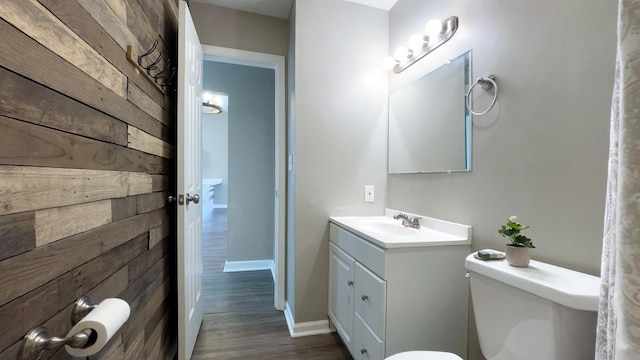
(369, 193)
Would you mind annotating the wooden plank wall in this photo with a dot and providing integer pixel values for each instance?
(86, 153)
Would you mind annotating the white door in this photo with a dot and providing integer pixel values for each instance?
(189, 185)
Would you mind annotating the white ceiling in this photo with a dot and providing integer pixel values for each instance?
(275, 8)
(380, 4)
(280, 8)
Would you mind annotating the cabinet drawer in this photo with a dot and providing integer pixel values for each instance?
(371, 299)
(366, 345)
(365, 252)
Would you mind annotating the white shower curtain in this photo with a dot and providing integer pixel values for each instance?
(618, 332)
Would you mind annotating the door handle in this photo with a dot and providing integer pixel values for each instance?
(195, 198)
(171, 199)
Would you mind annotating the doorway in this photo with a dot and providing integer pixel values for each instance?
(277, 193)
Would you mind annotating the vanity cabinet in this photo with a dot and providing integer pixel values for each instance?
(341, 292)
(387, 300)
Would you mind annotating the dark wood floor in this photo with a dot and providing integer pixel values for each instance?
(240, 321)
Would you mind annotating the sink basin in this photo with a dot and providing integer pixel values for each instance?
(387, 229)
(386, 232)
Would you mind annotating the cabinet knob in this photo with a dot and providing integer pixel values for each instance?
(363, 351)
(350, 283)
(365, 297)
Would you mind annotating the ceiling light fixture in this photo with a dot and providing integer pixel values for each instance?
(437, 33)
(209, 108)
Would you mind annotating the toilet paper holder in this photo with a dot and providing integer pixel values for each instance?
(37, 340)
(81, 308)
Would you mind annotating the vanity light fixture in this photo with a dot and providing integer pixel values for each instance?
(437, 33)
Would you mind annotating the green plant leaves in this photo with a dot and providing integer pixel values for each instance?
(512, 231)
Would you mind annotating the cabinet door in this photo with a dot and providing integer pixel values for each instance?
(371, 299)
(341, 290)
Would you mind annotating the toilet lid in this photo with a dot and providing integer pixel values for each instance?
(424, 355)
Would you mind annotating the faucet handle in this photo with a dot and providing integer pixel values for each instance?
(399, 216)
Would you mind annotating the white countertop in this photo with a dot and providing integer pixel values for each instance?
(385, 232)
(211, 181)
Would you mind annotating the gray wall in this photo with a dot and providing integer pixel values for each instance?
(542, 152)
(236, 29)
(215, 152)
(340, 133)
(250, 232)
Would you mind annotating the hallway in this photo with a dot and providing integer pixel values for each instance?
(240, 321)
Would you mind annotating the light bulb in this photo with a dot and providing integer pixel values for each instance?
(389, 62)
(416, 42)
(433, 28)
(401, 53)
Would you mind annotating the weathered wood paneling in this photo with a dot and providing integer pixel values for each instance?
(21, 54)
(29, 270)
(24, 188)
(135, 348)
(104, 14)
(136, 324)
(146, 104)
(58, 223)
(143, 262)
(27, 144)
(82, 203)
(44, 302)
(83, 24)
(159, 182)
(17, 234)
(157, 234)
(27, 100)
(123, 208)
(38, 23)
(142, 141)
(139, 24)
(150, 202)
(119, 9)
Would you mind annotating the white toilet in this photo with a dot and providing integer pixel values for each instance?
(541, 312)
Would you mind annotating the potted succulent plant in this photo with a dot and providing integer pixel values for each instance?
(517, 252)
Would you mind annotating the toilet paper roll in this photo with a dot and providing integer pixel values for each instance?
(106, 319)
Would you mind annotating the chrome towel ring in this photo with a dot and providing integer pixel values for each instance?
(486, 82)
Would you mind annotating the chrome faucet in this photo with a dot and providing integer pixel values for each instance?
(408, 221)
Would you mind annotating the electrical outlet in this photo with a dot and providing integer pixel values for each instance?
(369, 193)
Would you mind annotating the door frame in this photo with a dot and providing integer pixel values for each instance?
(277, 63)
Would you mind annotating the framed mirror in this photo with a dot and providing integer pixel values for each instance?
(429, 124)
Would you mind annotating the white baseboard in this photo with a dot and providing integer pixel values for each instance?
(307, 328)
(219, 206)
(249, 265)
(273, 270)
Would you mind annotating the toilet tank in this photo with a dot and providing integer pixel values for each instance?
(541, 312)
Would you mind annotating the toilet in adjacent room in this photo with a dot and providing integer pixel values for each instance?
(541, 312)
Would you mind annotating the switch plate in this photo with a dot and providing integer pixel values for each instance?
(369, 193)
